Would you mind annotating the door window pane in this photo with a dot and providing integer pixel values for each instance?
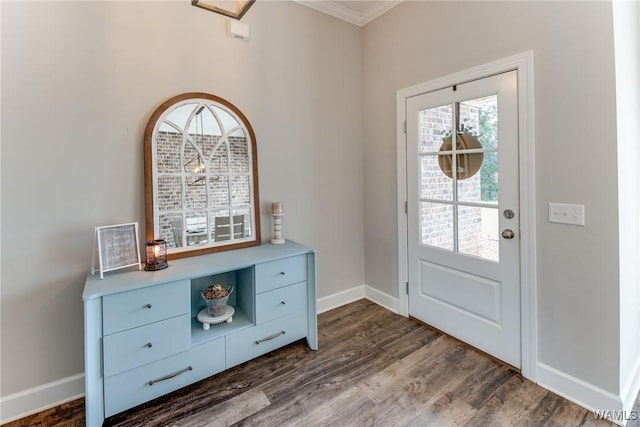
(483, 186)
(479, 117)
(434, 124)
(436, 225)
(434, 184)
(478, 232)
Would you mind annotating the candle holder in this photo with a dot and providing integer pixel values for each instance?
(156, 255)
(277, 213)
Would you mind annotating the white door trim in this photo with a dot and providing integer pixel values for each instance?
(523, 63)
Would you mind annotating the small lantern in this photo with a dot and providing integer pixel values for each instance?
(156, 255)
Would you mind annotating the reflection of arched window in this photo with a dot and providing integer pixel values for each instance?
(203, 175)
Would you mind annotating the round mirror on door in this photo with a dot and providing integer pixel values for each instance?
(201, 176)
(469, 156)
(467, 163)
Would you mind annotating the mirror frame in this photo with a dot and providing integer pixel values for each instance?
(150, 203)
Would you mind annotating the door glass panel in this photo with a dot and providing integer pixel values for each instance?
(436, 225)
(434, 125)
(473, 175)
(483, 186)
(478, 232)
(434, 184)
(479, 117)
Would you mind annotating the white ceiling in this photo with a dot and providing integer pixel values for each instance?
(358, 12)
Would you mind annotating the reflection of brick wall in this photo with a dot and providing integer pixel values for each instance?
(437, 219)
(227, 174)
(168, 159)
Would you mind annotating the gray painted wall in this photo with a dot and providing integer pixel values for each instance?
(79, 82)
(578, 295)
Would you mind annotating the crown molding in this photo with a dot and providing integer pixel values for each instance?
(344, 13)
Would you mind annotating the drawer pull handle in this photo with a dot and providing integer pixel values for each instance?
(282, 273)
(149, 345)
(147, 306)
(269, 338)
(168, 377)
(283, 303)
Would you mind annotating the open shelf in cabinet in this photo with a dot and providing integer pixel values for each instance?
(242, 299)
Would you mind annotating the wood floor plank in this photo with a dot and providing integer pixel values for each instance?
(229, 412)
(511, 403)
(373, 368)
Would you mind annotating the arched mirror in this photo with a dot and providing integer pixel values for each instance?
(201, 176)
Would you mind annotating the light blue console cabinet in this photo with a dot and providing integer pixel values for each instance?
(142, 338)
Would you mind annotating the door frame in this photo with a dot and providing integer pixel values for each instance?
(523, 64)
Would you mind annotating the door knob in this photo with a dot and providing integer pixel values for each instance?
(508, 234)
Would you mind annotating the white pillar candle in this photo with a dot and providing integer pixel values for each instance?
(276, 208)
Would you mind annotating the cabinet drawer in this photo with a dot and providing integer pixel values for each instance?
(282, 272)
(139, 346)
(281, 302)
(250, 343)
(130, 309)
(132, 388)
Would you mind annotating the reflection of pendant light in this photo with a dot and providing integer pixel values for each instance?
(200, 167)
(197, 163)
(468, 164)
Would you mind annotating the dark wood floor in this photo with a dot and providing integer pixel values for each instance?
(374, 368)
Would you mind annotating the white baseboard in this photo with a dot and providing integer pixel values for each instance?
(632, 388)
(578, 391)
(359, 292)
(341, 298)
(382, 299)
(36, 399)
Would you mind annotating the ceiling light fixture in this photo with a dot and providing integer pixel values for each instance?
(231, 8)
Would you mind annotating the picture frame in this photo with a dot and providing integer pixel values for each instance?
(116, 247)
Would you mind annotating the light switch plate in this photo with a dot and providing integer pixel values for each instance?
(564, 213)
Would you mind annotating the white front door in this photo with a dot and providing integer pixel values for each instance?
(463, 213)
